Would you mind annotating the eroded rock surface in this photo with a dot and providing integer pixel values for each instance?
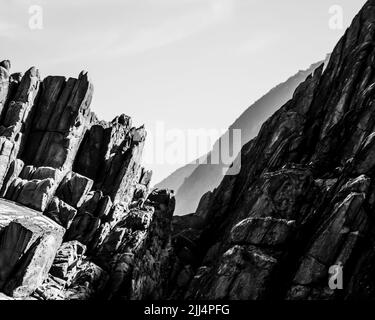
(78, 219)
(74, 197)
(303, 202)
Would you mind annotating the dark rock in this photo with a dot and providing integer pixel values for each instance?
(74, 188)
(16, 119)
(61, 212)
(303, 198)
(122, 173)
(14, 171)
(62, 117)
(4, 83)
(67, 261)
(36, 194)
(89, 280)
(51, 289)
(301, 203)
(100, 144)
(83, 228)
(29, 242)
(46, 131)
(262, 231)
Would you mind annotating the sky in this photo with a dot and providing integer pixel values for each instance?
(172, 64)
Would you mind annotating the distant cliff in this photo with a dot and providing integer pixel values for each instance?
(192, 181)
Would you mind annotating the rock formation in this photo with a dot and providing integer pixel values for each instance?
(76, 211)
(78, 220)
(303, 202)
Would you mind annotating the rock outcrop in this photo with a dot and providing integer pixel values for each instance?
(77, 217)
(78, 220)
(303, 202)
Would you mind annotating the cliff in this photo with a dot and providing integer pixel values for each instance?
(303, 202)
(79, 221)
(76, 211)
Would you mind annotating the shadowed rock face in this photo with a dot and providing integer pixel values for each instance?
(304, 199)
(302, 203)
(74, 200)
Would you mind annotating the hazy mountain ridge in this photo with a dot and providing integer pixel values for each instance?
(192, 181)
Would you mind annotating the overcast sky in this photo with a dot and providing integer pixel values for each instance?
(189, 63)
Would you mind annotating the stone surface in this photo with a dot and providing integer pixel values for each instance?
(16, 117)
(87, 283)
(29, 242)
(61, 212)
(67, 260)
(79, 174)
(74, 188)
(262, 231)
(303, 200)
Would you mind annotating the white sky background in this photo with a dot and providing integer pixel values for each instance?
(189, 63)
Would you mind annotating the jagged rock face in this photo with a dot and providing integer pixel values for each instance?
(62, 115)
(152, 264)
(4, 83)
(302, 202)
(15, 119)
(74, 200)
(304, 198)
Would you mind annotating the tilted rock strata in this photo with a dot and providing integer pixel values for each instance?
(74, 197)
(28, 245)
(302, 202)
(304, 198)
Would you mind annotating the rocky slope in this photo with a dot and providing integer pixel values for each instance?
(193, 180)
(304, 199)
(77, 218)
(78, 221)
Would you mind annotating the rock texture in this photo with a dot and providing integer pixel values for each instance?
(78, 220)
(304, 199)
(77, 217)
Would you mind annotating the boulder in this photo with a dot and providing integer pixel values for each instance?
(28, 245)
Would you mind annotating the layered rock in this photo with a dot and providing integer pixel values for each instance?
(15, 119)
(73, 193)
(301, 205)
(28, 245)
(153, 263)
(4, 83)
